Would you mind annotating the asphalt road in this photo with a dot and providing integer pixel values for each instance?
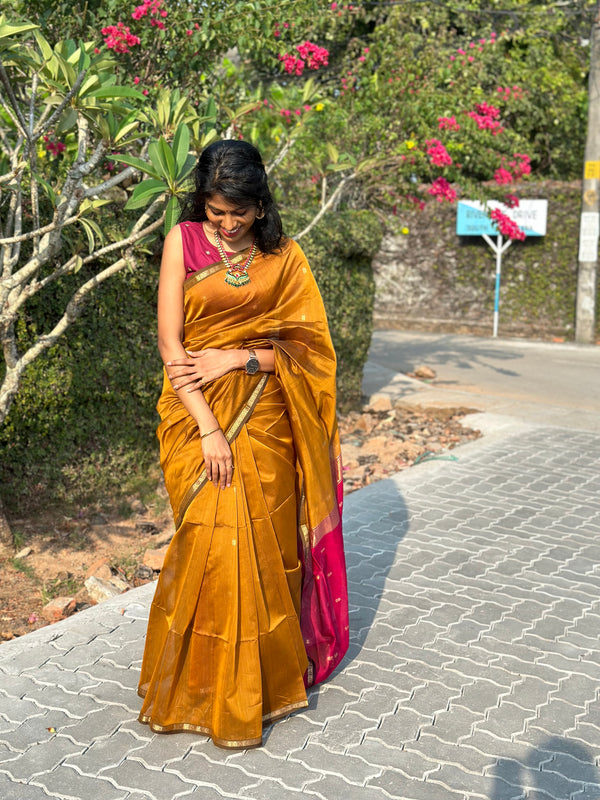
(539, 382)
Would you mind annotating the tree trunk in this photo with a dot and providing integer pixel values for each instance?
(6, 538)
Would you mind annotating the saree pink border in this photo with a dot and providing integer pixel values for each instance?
(324, 612)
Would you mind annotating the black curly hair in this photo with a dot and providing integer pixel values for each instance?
(234, 169)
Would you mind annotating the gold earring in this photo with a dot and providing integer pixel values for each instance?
(261, 214)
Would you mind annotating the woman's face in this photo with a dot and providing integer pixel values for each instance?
(233, 222)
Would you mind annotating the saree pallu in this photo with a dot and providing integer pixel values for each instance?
(251, 604)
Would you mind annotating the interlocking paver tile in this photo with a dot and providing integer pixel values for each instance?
(340, 732)
(68, 783)
(42, 757)
(134, 776)
(320, 760)
(472, 785)
(10, 790)
(18, 709)
(38, 729)
(329, 788)
(105, 753)
(98, 724)
(377, 701)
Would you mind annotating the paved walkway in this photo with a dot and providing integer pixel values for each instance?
(473, 672)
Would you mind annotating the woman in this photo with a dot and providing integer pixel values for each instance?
(251, 604)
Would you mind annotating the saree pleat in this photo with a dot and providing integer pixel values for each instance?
(236, 628)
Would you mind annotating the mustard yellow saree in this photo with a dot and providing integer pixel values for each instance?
(251, 604)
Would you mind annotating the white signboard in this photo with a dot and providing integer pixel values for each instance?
(588, 236)
(472, 218)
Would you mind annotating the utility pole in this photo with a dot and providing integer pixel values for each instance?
(585, 320)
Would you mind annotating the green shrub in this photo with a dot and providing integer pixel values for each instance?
(340, 250)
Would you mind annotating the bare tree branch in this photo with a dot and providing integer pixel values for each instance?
(108, 184)
(324, 208)
(76, 303)
(5, 81)
(52, 226)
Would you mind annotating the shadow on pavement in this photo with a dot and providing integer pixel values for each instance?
(549, 771)
(404, 356)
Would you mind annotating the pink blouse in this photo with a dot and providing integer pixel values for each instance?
(198, 251)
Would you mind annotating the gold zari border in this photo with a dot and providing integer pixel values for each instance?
(207, 272)
(233, 744)
(230, 435)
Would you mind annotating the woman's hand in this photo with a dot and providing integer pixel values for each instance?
(202, 367)
(217, 459)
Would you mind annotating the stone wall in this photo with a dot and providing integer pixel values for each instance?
(431, 279)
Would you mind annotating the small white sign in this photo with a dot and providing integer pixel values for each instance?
(588, 236)
(473, 217)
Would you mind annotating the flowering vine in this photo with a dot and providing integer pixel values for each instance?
(506, 226)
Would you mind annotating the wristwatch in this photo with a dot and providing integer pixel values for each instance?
(252, 365)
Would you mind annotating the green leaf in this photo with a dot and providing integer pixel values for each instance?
(116, 91)
(89, 202)
(48, 190)
(171, 214)
(162, 159)
(90, 235)
(126, 129)
(143, 166)
(208, 138)
(189, 165)
(78, 264)
(144, 192)
(181, 146)
(167, 158)
(6, 29)
(44, 46)
(67, 121)
(333, 152)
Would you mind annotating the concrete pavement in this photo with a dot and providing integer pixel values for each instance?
(473, 672)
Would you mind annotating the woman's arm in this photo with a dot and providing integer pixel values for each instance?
(202, 366)
(215, 448)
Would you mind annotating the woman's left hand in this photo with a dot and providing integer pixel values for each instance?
(202, 367)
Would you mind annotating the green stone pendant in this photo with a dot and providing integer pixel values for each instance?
(236, 277)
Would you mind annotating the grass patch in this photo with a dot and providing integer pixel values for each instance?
(22, 566)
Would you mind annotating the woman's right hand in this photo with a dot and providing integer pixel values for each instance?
(218, 459)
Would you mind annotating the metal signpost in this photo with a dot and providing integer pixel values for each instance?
(472, 219)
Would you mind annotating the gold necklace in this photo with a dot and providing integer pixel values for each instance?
(237, 274)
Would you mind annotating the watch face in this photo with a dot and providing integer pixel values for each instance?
(252, 365)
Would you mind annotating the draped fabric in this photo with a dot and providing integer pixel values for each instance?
(251, 604)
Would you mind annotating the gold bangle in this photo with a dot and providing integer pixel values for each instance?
(208, 433)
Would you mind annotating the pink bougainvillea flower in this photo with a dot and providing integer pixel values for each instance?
(151, 8)
(503, 176)
(441, 190)
(506, 226)
(485, 116)
(511, 200)
(119, 38)
(438, 154)
(312, 56)
(448, 123)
